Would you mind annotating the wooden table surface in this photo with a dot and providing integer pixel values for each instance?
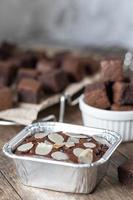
(110, 188)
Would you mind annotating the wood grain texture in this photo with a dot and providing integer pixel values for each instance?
(109, 188)
(6, 190)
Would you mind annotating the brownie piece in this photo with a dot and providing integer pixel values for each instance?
(27, 59)
(26, 73)
(7, 72)
(6, 98)
(73, 68)
(111, 70)
(45, 65)
(123, 93)
(60, 56)
(128, 76)
(125, 173)
(29, 91)
(67, 149)
(53, 81)
(91, 65)
(7, 50)
(95, 95)
(117, 107)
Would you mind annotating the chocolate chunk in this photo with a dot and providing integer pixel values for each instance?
(7, 72)
(27, 59)
(53, 81)
(90, 64)
(60, 56)
(26, 73)
(125, 173)
(128, 76)
(29, 90)
(7, 50)
(73, 68)
(117, 107)
(45, 65)
(123, 93)
(6, 98)
(95, 95)
(111, 70)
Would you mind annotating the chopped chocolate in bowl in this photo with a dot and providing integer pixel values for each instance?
(62, 146)
(108, 102)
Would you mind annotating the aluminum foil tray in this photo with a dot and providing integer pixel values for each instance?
(59, 175)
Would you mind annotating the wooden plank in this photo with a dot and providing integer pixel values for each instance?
(126, 148)
(6, 190)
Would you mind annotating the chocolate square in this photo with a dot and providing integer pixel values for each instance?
(29, 90)
(45, 65)
(6, 98)
(117, 107)
(73, 68)
(91, 65)
(27, 59)
(111, 70)
(53, 81)
(123, 93)
(95, 95)
(125, 173)
(7, 72)
(7, 50)
(26, 73)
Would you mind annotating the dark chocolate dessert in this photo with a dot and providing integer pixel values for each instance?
(7, 72)
(123, 93)
(6, 98)
(29, 91)
(125, 173)
(117, 107)
(26, 73)
(45, 65)
(111, 70)
(53, 81)
(73, 68)
(96, 95)
(74, 148)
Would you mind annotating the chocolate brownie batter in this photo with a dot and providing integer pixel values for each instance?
(62, 146)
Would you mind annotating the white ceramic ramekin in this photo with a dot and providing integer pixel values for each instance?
(118, 121)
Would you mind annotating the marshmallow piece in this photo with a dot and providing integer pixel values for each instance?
(86, 156)
(43, 149)
(25, 147)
